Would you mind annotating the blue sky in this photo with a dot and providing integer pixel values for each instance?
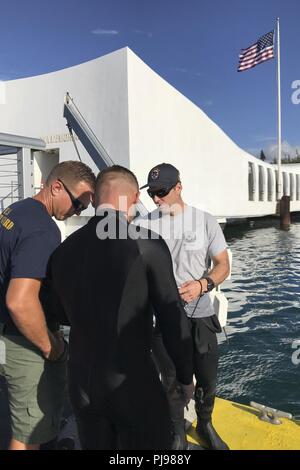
(193, 44)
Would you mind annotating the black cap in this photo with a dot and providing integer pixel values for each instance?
(162, 176)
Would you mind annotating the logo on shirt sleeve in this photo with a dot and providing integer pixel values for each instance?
(5, 221)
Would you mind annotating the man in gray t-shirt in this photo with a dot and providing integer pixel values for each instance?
(194, 239)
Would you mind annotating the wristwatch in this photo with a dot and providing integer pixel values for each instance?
(210, 283)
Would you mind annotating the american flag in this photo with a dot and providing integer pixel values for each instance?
(259, 52)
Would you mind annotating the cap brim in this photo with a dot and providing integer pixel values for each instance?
(158, 185)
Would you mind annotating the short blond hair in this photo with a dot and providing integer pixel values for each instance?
(72, 172)
(114, 171)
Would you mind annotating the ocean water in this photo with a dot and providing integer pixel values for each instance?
(264, 317)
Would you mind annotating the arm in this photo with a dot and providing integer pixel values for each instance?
(170, 314)
(220, 269)
(22, 300)
(217, 251)
(190, 290)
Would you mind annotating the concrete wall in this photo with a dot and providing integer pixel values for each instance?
(141, 120)
(164, 126)
(34, 106)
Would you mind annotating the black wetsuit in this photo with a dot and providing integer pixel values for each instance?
(106, 289)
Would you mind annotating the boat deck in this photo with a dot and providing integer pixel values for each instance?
(241, 429)
(238, 425)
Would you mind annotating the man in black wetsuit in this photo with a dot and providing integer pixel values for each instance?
(104, 278)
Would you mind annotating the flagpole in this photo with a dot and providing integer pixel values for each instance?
(279, 184)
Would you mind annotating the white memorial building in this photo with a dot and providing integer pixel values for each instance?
(140, 120)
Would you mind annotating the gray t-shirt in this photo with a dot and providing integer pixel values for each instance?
(193, 238)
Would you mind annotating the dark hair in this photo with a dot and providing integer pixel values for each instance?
(72, 172)
(115, 171)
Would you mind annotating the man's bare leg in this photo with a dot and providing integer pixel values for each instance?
(17, 445)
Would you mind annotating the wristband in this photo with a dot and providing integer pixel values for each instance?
(200, 286)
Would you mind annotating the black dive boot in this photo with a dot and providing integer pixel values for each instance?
(176, 406)
(204, 404)
(210, 436)
(179, 436)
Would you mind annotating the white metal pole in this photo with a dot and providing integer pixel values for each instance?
(279, 113)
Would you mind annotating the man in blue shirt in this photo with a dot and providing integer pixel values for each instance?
(34, 366)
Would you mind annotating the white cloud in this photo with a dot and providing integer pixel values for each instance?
(139, 31)
(107, 32)
(287, 149)
(270, 149)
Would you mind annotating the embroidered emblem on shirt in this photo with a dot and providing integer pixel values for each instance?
(189, 236)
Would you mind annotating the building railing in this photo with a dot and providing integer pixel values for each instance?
(10, 189)
(263, 185)
(10, 197)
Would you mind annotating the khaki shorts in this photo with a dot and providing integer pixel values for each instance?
(36, 390)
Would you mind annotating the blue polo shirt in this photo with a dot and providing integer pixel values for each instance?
(28, 236)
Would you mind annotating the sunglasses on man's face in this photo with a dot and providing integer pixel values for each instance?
(76, 203)
(159, 192)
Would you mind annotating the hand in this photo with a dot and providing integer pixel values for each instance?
(190, 290)
(187, 392)
(59, 347)
(59, 334)
(181, 394)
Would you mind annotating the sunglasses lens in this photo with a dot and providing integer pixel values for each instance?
(159, 193)
(78, 206)
(76, 203)
(163, 192)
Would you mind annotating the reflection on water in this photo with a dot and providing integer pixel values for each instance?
(264, 318)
